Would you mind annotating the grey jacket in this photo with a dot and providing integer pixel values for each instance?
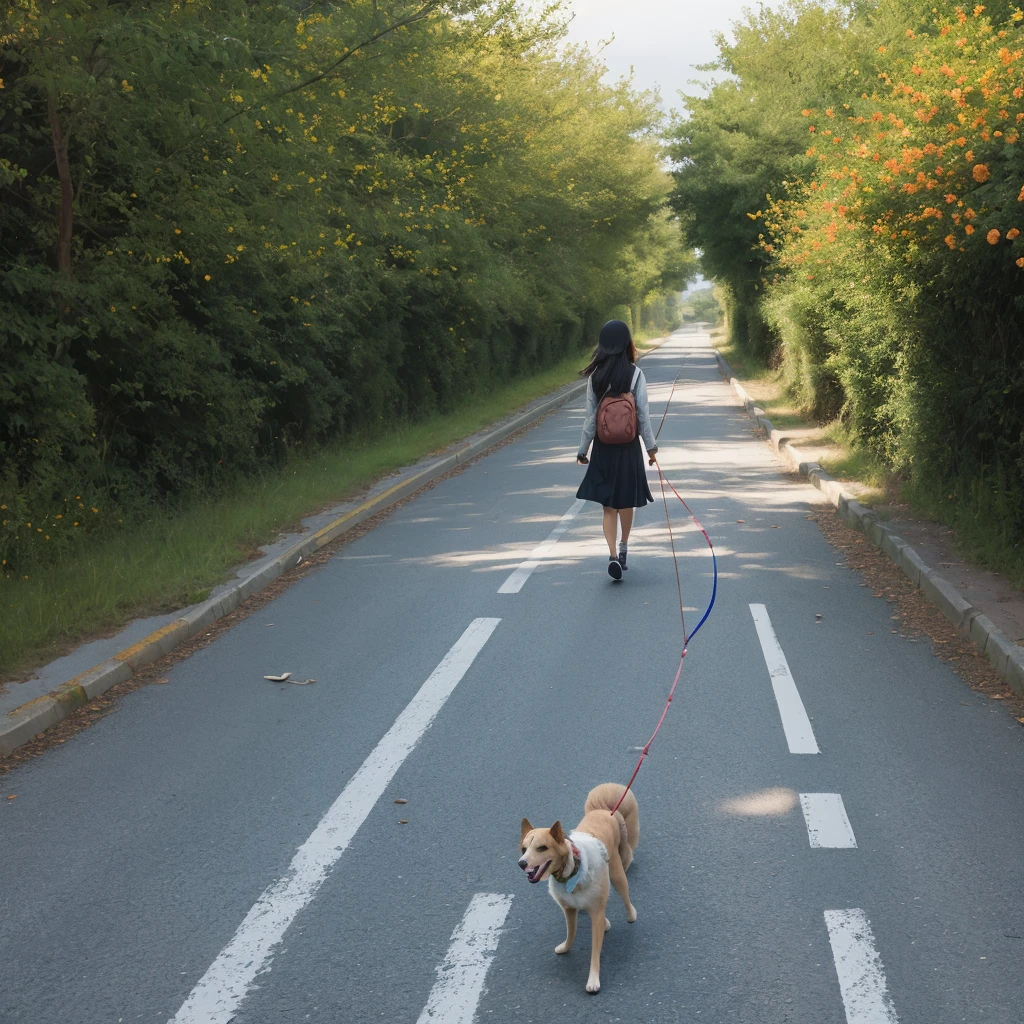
(643, 414)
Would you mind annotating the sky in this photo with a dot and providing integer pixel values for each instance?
(661, 39)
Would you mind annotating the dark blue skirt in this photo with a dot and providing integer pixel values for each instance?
(616, 477)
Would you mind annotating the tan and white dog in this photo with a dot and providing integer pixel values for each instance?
(580, 866)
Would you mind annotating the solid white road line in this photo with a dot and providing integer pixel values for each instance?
(828, 827)
(861, 981)
(799, 734)
(220, 991)
(460, 979)
(519, 576)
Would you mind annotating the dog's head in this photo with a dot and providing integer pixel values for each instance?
(543, 851)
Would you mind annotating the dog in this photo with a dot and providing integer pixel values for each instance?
(580, 866)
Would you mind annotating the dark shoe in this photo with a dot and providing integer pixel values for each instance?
(614, 568)
(622, 559)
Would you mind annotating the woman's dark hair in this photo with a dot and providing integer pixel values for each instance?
(611, 366)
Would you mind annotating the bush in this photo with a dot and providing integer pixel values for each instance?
(233, 232)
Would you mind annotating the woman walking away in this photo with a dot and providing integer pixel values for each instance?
(616, 403)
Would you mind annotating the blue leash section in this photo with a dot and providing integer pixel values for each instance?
(682, 617)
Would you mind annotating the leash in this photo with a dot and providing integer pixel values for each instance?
(687, 637)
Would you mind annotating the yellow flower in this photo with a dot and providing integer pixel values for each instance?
(993, 236)
(206, 277)
(113, 309)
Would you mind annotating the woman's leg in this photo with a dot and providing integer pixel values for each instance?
(626, 518)
(609, 524)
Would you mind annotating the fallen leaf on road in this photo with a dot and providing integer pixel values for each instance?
(13, 796)
(302, 682)
(1021, 720)
(158, 681)
(774, 527)
(999, 696)
(403, 821)
(741, 520)
(283, 678)
(401, 800)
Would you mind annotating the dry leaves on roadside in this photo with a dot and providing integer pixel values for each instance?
(915, 615)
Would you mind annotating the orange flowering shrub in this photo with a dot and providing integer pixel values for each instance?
(899, 258)
(934, 146)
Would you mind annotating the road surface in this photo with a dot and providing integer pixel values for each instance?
(831, 821)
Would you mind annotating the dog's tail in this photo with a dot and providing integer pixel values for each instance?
(605, 797)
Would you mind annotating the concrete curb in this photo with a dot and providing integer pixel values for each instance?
(1007, 657)
(23, 723)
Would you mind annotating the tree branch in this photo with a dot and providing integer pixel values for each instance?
(419, 15)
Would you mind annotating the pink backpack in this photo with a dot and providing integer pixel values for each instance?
(616, 416)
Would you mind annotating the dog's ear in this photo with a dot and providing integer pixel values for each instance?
(527, 828)
(556, 833)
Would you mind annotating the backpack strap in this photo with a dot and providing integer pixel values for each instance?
(636, 377)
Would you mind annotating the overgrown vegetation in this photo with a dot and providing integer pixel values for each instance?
(232, 233)
(855, 186)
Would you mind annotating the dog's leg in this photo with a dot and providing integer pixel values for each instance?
(571, 914)
(618, 877)
(597, 919)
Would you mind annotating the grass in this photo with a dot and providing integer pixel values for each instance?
(176, 557)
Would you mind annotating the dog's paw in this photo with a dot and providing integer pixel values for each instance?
(631, 916)
(607, 924)
(593, 984)
(563, 947)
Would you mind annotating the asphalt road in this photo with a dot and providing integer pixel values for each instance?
(224, 848)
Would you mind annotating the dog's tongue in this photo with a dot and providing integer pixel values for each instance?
(534, 875)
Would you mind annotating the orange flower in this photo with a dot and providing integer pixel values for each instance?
(993, 237)
(1012, 234)
(1020, 262)
(969, 229)
(980, 173)
(950, 197)
(950, 241)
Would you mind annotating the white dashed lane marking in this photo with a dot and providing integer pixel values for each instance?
(520, 575)
(861, 979)
(220, 991)
(799, 734)
(828, 827)
(460, 978)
